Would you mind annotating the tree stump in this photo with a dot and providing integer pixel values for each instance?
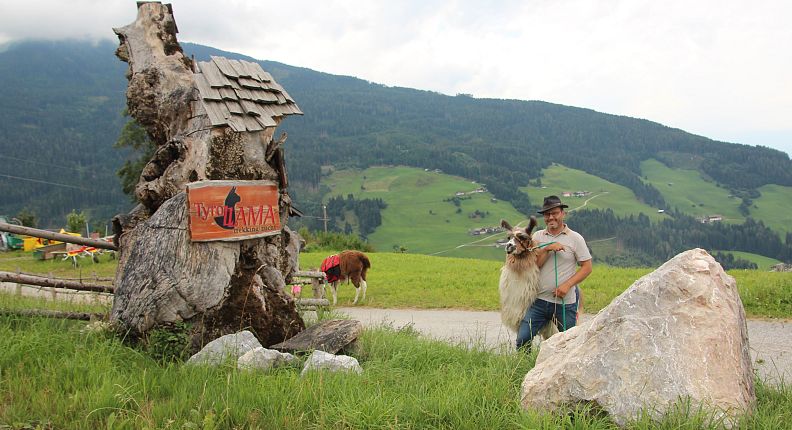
(163, 277)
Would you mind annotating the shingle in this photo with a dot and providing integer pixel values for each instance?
(240, 68)
(250, 108)
(215, 114)
(234, 107)
(249, 83)
(227, 94)
(213, 75)
(206, 90)
(264, 96)
(251, 124)
(281, 99)
(266, 121)
(224, 66)
(244, 94)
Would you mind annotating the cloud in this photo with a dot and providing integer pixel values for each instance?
(714, 68)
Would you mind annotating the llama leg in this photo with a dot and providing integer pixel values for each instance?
(357, 291)
(364, 285)
(334, 289)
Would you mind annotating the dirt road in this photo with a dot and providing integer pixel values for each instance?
(770, 340)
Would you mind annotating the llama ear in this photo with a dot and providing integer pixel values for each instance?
(505, 224)
(531, 225)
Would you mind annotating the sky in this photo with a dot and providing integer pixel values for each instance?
(715, 68)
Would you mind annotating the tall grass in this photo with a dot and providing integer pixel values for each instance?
(53, 374)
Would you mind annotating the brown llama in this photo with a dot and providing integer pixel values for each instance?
(349, 266)
(519, 280)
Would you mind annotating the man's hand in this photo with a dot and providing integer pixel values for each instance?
(555, 246)
(562, 290)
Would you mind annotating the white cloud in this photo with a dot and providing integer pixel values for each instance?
(714, 68)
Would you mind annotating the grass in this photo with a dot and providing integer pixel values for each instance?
(417, 217)
(426, 282)
(690, 193)
(558, 179)
(762, 263)
(55, 375)
(773, 208)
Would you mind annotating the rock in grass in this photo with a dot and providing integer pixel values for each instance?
(677, 334)
(230, 346)
(264, 359)
(321, 360)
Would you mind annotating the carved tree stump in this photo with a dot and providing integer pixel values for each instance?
(163, 277)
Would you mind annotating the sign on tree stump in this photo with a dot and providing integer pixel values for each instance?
(232, 210)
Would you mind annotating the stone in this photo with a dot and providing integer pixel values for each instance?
(321, 360)
(329, 336)
(677, 334)
(230, 346)
(264, 359)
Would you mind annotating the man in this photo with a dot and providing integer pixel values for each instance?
(559, 258)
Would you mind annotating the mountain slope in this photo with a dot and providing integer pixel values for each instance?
(60, 111)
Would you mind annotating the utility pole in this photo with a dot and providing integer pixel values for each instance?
(324, 216)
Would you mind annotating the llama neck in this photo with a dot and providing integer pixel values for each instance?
(521, 262)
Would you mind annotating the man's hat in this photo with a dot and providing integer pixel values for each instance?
(551, 202)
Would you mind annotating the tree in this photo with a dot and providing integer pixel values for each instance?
(75, 221)
(27, 217)
(133, 136)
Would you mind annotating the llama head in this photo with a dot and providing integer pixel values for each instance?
(519, 238)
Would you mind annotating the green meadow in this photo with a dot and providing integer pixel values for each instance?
(558, 179)
(763, 263)
(773, 208)
(687, 191)
(417, 217)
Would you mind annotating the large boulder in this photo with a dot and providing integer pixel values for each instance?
(678, 333)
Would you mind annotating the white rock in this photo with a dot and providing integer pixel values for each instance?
(225, 347)
(321, 360)
(677, 333)
(263, 359)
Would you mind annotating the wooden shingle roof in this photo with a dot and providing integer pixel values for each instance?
(241, 95)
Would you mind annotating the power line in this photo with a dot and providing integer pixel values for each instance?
(41, 163)
(43, 182)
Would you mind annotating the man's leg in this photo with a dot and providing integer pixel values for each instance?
(535, 318)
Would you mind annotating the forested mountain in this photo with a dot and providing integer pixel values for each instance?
(61, 104)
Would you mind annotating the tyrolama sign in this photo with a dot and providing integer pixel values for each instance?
(232, 210)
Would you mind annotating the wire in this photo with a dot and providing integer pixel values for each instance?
(41, 163)
(43, 182)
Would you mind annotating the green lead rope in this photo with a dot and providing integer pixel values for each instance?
(555, 268)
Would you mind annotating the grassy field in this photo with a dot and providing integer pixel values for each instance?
(55, 374)
(773, 208)
(419, 281)
(690, 193)
(557, 179)
(763, 263)
(417, 218)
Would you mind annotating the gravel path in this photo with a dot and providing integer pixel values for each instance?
(770, 340)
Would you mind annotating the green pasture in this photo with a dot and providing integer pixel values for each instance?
(687, 191)
(763, 263)
(774, 208)
(399, 280)
(558, 179)
(417, 218)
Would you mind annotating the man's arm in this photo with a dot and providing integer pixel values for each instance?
(578, 277)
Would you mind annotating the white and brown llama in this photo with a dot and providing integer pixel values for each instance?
(347, 266)
(519, 280)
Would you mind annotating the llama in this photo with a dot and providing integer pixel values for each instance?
(519, 280)
(350, 266)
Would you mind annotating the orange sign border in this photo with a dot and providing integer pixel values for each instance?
(202, 224)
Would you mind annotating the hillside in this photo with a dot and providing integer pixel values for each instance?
(61, 106)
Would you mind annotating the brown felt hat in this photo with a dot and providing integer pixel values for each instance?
(551, 202)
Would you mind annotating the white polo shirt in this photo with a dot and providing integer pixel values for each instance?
(575, 251)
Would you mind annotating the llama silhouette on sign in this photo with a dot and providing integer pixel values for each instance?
(228, 219)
